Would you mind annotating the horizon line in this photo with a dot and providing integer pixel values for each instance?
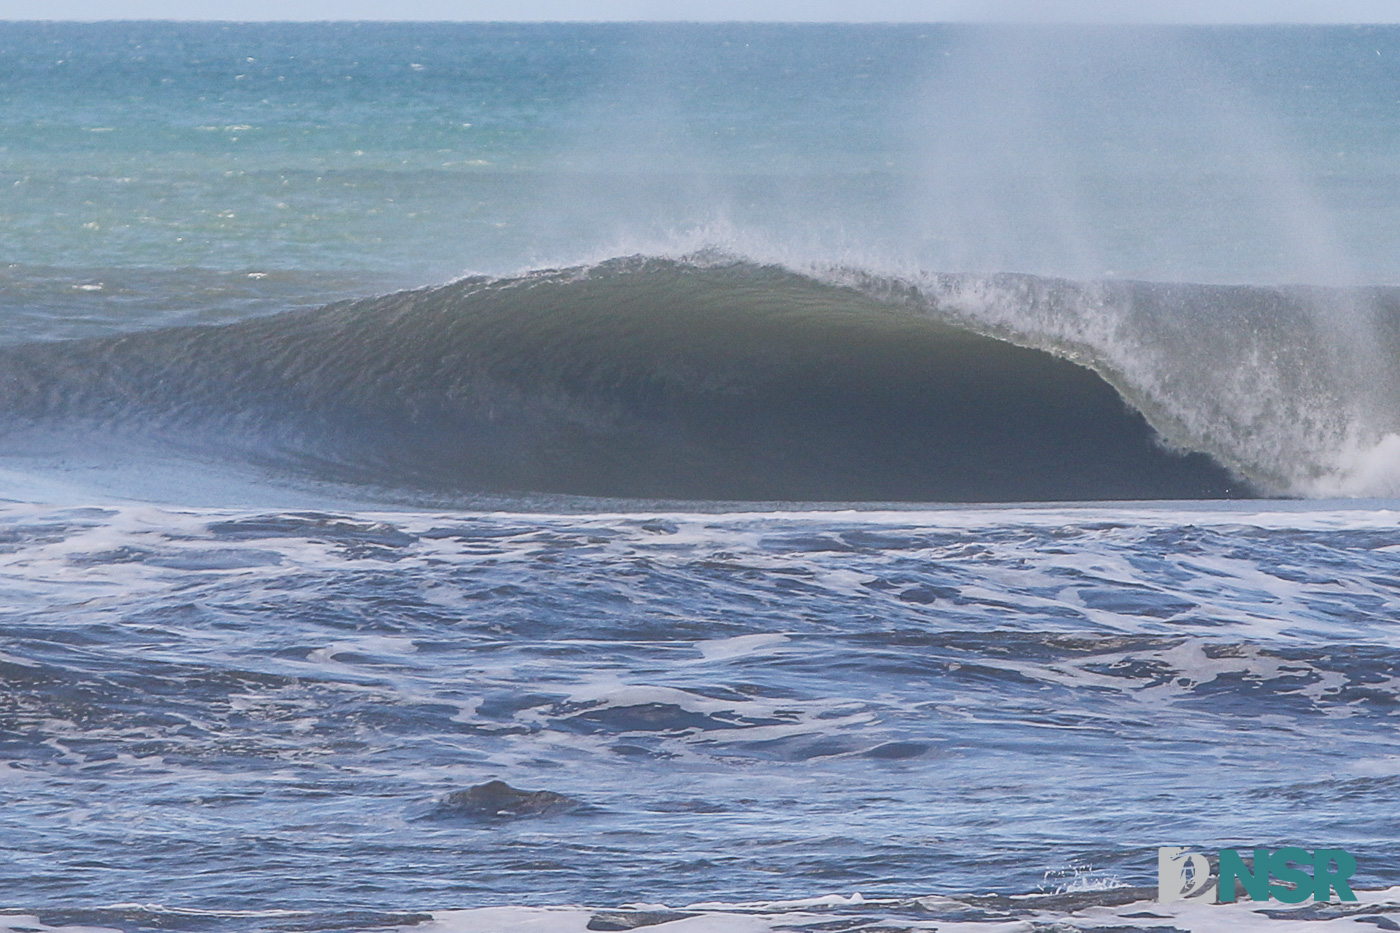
(704, 22)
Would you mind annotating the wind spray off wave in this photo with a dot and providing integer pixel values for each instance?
(722, 379)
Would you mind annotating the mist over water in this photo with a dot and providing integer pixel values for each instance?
(1110, 153)
(1166, 154)
(298, 164)
(1120, 153)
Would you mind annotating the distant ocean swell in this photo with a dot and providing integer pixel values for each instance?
(724, 379)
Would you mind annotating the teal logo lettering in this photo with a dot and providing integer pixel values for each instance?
(1290, 874)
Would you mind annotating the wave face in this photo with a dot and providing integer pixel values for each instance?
(1293, 388)
(635, 378)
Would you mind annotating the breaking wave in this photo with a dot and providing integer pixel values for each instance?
(724, 379)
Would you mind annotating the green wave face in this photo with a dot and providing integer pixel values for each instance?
(635, 378)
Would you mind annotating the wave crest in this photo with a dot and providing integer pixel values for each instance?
(723, 379)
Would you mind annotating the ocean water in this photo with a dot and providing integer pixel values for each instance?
(541, 478)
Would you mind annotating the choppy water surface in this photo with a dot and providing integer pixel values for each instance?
(242, 711)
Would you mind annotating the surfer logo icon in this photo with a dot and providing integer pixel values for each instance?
(1182, 873)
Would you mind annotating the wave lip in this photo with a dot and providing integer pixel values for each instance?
(1293, 388)
(636, 378)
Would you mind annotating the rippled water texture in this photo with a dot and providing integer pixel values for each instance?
(249, 710)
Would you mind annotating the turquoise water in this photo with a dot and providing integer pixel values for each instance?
(423, 152)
